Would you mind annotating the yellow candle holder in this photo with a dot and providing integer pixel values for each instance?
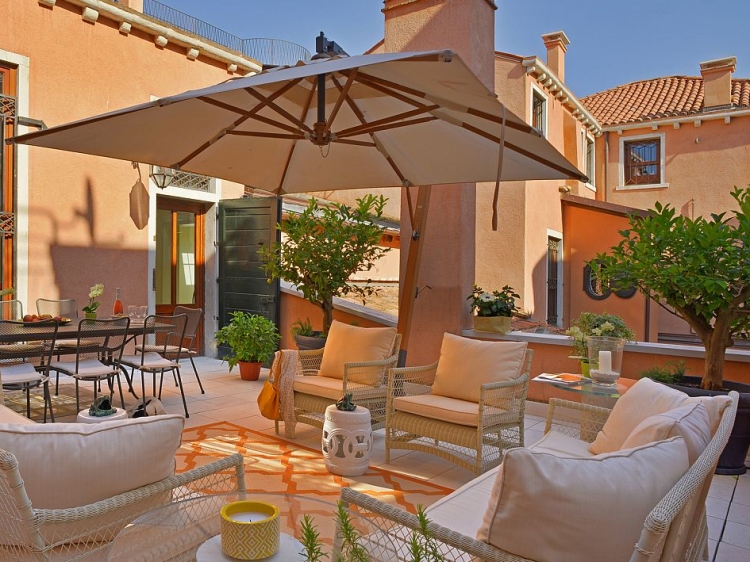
(250, 530)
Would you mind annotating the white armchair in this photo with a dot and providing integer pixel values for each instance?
(468, 407)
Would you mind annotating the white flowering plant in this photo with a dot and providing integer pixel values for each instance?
(496, 303)
(95, 292)
(590, 324)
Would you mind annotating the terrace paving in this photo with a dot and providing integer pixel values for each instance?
(228, 398)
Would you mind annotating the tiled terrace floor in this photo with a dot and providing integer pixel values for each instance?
(228, 398)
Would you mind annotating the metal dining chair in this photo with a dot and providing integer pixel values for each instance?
(25, 365)
(11, 310)
(98, 352)
(160, 334)
(189, 347)
(66, 308)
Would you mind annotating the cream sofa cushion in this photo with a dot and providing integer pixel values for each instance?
(441, 408)
(557, 443)
(556, 509)
(644, 399)
(71, 464)
(466, 364)
(689, 421)
(354, 344)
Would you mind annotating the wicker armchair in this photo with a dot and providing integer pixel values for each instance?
(476, 442)
(366, 381)
(39, 534)
(674, 530)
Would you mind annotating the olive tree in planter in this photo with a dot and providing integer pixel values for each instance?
(253, 340)
(324, 246)
(700, 268)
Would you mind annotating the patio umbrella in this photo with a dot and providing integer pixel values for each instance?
(393, 119)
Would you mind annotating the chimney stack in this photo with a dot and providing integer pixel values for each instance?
(717, 82)
(557, 44)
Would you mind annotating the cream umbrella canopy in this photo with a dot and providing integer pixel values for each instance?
(368, 121)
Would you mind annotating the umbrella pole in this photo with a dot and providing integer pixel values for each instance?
(411, 276)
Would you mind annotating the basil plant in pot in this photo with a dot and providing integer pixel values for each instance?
(323, 246)
(698, 269)
(253, 340)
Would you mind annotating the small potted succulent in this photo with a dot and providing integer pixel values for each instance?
(253, 340)
(493, 310)
(305, 337)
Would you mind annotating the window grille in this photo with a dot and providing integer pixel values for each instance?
(196, 182)
(538, 107)
(643, 162)
(590, 161)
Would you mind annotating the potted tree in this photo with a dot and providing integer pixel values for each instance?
(324, 246)
(493, 310)
(700, 269)
(253, 340)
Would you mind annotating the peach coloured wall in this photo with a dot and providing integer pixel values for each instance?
(78, 205)
(589, 231)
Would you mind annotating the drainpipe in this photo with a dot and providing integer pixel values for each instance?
(606, 162)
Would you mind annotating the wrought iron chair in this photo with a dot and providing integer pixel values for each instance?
(161, 335)
(98, 351)
(25, 365)
(11, 310)
(189, 347)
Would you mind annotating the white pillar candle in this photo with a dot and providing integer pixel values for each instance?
(249, 516)
(605, 361)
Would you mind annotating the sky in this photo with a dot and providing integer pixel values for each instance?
(611, 43)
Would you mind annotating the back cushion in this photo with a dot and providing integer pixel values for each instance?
(353, 344)
(74, 464)
(466, 364)
(689, 421)
(556, 509)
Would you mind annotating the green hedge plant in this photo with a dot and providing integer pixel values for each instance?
(253, 338)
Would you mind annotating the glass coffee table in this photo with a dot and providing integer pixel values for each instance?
(190, 530)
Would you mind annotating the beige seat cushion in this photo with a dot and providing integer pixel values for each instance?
(353, 344)
(466, 364)
(70, 464)
(689, 421)
(557, 443)
(644, 399)
(556, 509)
(451, 410)
(319, 386)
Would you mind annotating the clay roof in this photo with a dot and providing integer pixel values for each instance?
(659, 98)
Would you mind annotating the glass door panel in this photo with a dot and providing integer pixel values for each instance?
(185, 258)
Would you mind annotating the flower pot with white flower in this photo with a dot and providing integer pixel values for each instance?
(493, 310)
(604, 326)
(95, 292)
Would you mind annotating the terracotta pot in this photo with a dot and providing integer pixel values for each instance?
(249, 371)
(498, 324)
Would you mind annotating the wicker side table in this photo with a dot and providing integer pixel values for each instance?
(347, 441)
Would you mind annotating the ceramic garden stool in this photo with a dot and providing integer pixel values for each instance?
(347, 441)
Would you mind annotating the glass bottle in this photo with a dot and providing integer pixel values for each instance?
(118, 309)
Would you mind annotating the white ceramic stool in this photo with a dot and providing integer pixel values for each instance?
(84, 417)
(347, 441)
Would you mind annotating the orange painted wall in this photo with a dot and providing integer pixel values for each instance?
(78, 205)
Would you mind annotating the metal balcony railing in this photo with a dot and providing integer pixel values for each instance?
(270, 52)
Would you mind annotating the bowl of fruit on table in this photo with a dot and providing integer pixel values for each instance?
(62, 320)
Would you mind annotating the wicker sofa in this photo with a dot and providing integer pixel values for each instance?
(67, 489)
(538, 524)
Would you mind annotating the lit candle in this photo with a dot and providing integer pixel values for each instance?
(605, 361)
(249, 516)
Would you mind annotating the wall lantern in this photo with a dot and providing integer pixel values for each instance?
(162, 177)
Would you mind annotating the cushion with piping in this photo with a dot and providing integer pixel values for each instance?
(354, 344)
(466, 364)
(550, 508)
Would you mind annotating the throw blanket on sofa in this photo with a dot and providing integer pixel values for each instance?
(285, 373)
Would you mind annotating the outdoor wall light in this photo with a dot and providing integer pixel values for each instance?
(162, 177)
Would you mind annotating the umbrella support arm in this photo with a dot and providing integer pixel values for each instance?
(409, 289)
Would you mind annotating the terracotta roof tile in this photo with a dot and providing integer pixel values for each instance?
(660, 98)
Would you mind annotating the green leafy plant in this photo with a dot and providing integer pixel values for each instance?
(699, 268)
(496, 303)
(311, 546)
(590, 324)
(671, 372)
(252, 338)
(422, 544)
(304, 328)
(324, 246)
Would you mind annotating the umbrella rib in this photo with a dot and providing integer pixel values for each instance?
(285, 114)
(360, 129)
(358, 112)
(376, 128)
(292, 148)
(266, 135)
(342, 95)
(209, 142)
(355, 142)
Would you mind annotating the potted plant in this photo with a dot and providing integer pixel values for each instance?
(304, 335)
(590, 324)
(493, 310)
(253, 340)
(697, 269)
(324, 246)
